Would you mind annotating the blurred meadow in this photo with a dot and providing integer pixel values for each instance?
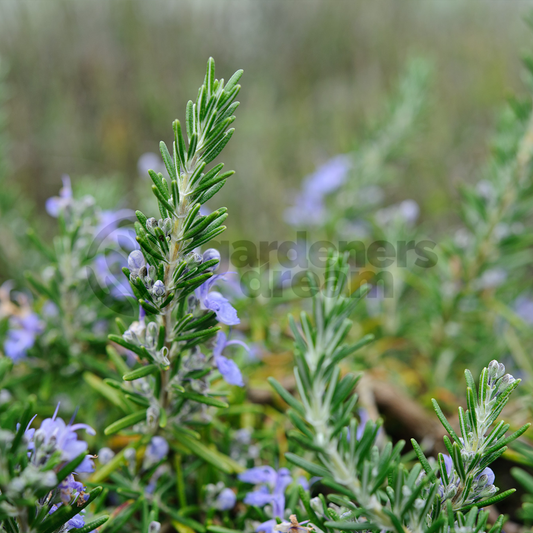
(91, 86)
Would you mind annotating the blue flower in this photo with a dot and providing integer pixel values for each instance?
(259, 497)
(108, 271)
(363, 419)
(483, 486)
(309, 205)
(156, 451)
(136, 261)
(75, 522)
(225, 500)
(214, 301)
(108, 225)
(486, 477)
(105, 455)
(56, 204)
(21, 335)
(329, 176)
(54, 435)
(70, 490)
(448, 463)
(259, 474)
(209, 255)
(523, 307)
(271, 491)
(228, 368)
(108, 265)
(150, 161)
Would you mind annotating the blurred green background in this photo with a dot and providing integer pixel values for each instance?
(94, 84)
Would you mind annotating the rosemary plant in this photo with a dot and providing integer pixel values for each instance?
(448, 303)
(166, 272)
(39, 492)
(184, 440)
(373, 487)
(170, 387)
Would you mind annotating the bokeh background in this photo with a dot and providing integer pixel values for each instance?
(91, 86)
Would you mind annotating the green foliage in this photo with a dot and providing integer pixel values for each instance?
(375, 488)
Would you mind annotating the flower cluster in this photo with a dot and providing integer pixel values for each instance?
(24, 324)
(482, 487)
(23, 331)
(271, 491)
(42, 463)
(54, 436)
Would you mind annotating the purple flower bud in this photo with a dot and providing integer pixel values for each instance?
(486, 477)
(524, 309)
(363, 419)
(329, 176)
(154, 527)
(304, 482)
(159, 289)
(225, 500)
(309, 204)
(22, 335)
(50, 309)
(86, 466)
(56, 204)
(448, 463)
(136, 261)
(506, 382)
(157, 450)
(151, 223)
(209, 255)
(496, 370)
(105, 455)
(409, 210)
